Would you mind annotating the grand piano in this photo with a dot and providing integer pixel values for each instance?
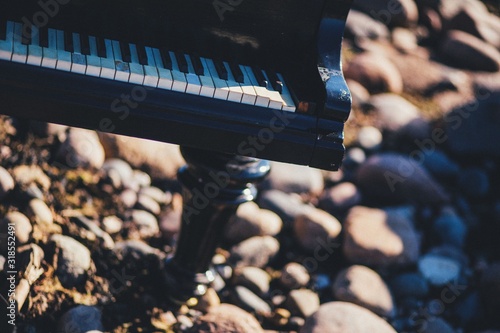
(254, 78)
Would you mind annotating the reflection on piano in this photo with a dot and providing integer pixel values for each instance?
(263, 79)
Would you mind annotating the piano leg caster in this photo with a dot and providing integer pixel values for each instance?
(214, 185)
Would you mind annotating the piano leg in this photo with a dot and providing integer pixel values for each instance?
(214, 185)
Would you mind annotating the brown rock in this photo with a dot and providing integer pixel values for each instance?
(81, 149)
(291, 178)
(340, 197)
(374, 237)
(226, 318)
(363, 286)
(478, 22)
(6, 182)
(341, 317)
(315, 228)
(361, 25)
(466, 51)
(302, 302)
(403, 13)
(256, 251)
(375, 72)
(160, 160)
(359, 93)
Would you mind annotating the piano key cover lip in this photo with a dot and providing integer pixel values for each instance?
(222, 125)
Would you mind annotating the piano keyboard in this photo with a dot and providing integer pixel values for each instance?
(143, 65)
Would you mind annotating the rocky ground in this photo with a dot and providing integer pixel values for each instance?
(405, 238)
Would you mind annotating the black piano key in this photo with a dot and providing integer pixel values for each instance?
(181, 62)
(221, 69)
(166, 59)
(125, 50)
(141, 53)
(261, 79)
(237, 73)
(3, 30)
(275, 81)
(68, 42)
(101, 47)
(198, 66)
(43, 34)
(84, 44)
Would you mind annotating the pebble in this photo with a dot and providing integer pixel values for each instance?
(25, 175)
(302, 302)
(291, 178)
(474, 183)
(6, 183)
(81, 319)
(146, 223)
(469, 52)
(249, 301)
(112, 224)
(250, 221)
(375, 72)
(145, 202)
(436, 325)
(22, 226)
(394, 178)
(359, 94)
(160, 160)
(340, 198)
(409, 285)
(440, 165)
(128, 197)
(170, 220)
(141, 178)
(369, 138)
(208, 300)
(401, 13)
(136, 249)
(361, 26)
(161, 197)
(384, 106)
(438, 270)
(287, 206)
(363, 286)
(73, 261)
(375, 237)
(40, 212)
(226, 318)
(294, 276)
(255, 279)
(315, 229)
(81, 149)
(256, 251)
(404, 40)
(123, 169)
(105, 239)
(450, 228)
(342, 317)
(489, 290)
(466, 119)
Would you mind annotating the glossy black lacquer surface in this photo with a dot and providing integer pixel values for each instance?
(294, 37)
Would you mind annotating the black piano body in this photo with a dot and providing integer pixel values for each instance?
(299, 38)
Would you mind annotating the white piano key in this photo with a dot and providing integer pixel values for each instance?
(275, 97)
(108, 69)
(35, 52)
(249, 94)
(221, 89)
(136, 69)
(150, 71)
(7, 45)
(287, 96)
(207, 84)
(235, 91)
(166, 81)
(193, 81)
(20, 51)
(122, 68)
(50, 53)
(79, 62)
(63, 57)
(93, 60)
(263, 98)
(180, 81)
